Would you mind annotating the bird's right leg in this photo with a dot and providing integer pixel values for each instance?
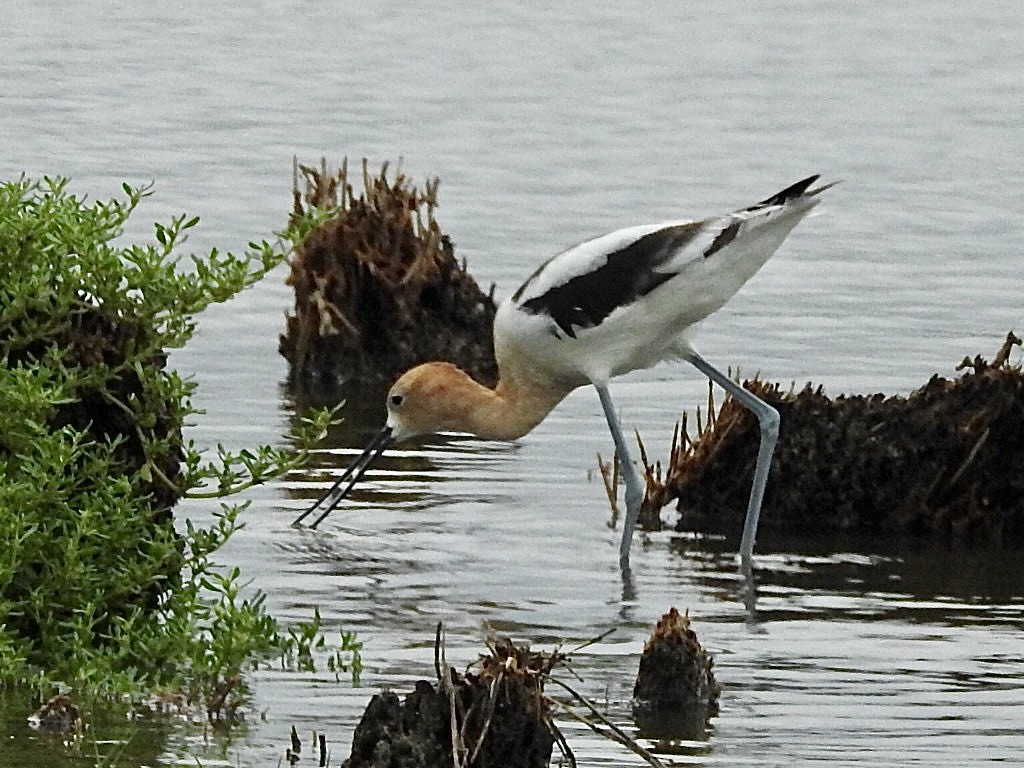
(768, 420)
(634, 486)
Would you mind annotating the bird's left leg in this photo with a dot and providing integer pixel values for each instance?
(634, 486)
(768, 420)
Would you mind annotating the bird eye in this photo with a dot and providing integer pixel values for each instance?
(396, 400)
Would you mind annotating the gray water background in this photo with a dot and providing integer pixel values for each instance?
(549, 124)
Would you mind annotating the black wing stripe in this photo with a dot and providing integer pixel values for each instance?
(723, 238)
(628, 274)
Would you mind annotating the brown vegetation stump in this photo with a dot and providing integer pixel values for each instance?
(378, 289)
(948, 460)
(675, 693)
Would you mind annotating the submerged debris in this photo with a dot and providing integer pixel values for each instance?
(675, 692)
(947, 460)
(377, 287)
(58, 715)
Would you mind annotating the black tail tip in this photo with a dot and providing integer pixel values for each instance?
(791, 192)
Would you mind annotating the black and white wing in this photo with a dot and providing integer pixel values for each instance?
(583, 285)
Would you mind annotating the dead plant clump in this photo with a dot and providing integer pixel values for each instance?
(675, 693)
(947, 460)
(495, 714)
(377, 286)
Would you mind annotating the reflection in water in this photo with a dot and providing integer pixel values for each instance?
(683, 732)
(909, 579)
(913, 580)
(127, 738)
(749, 586)
(363, 411)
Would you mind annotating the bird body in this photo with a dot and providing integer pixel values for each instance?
(630, 299)
(619, 302)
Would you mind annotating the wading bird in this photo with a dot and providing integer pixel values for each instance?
(620, 302)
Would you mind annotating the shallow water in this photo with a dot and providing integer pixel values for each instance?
(548, 126)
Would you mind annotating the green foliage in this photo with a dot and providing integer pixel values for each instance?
(97, 589)
(306, 638)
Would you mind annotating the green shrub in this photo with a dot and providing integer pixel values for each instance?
(97, 589)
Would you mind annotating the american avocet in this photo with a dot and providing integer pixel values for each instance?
(617, 303)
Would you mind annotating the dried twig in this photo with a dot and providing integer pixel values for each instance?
(563, 745)
(445, 683)
(1004, 351)
(591, 641)
(970, 457)
(614, 733)
(492, 701)
(610, 478)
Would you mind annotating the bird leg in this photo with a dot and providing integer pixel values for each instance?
(768, 420)
(634, 488)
